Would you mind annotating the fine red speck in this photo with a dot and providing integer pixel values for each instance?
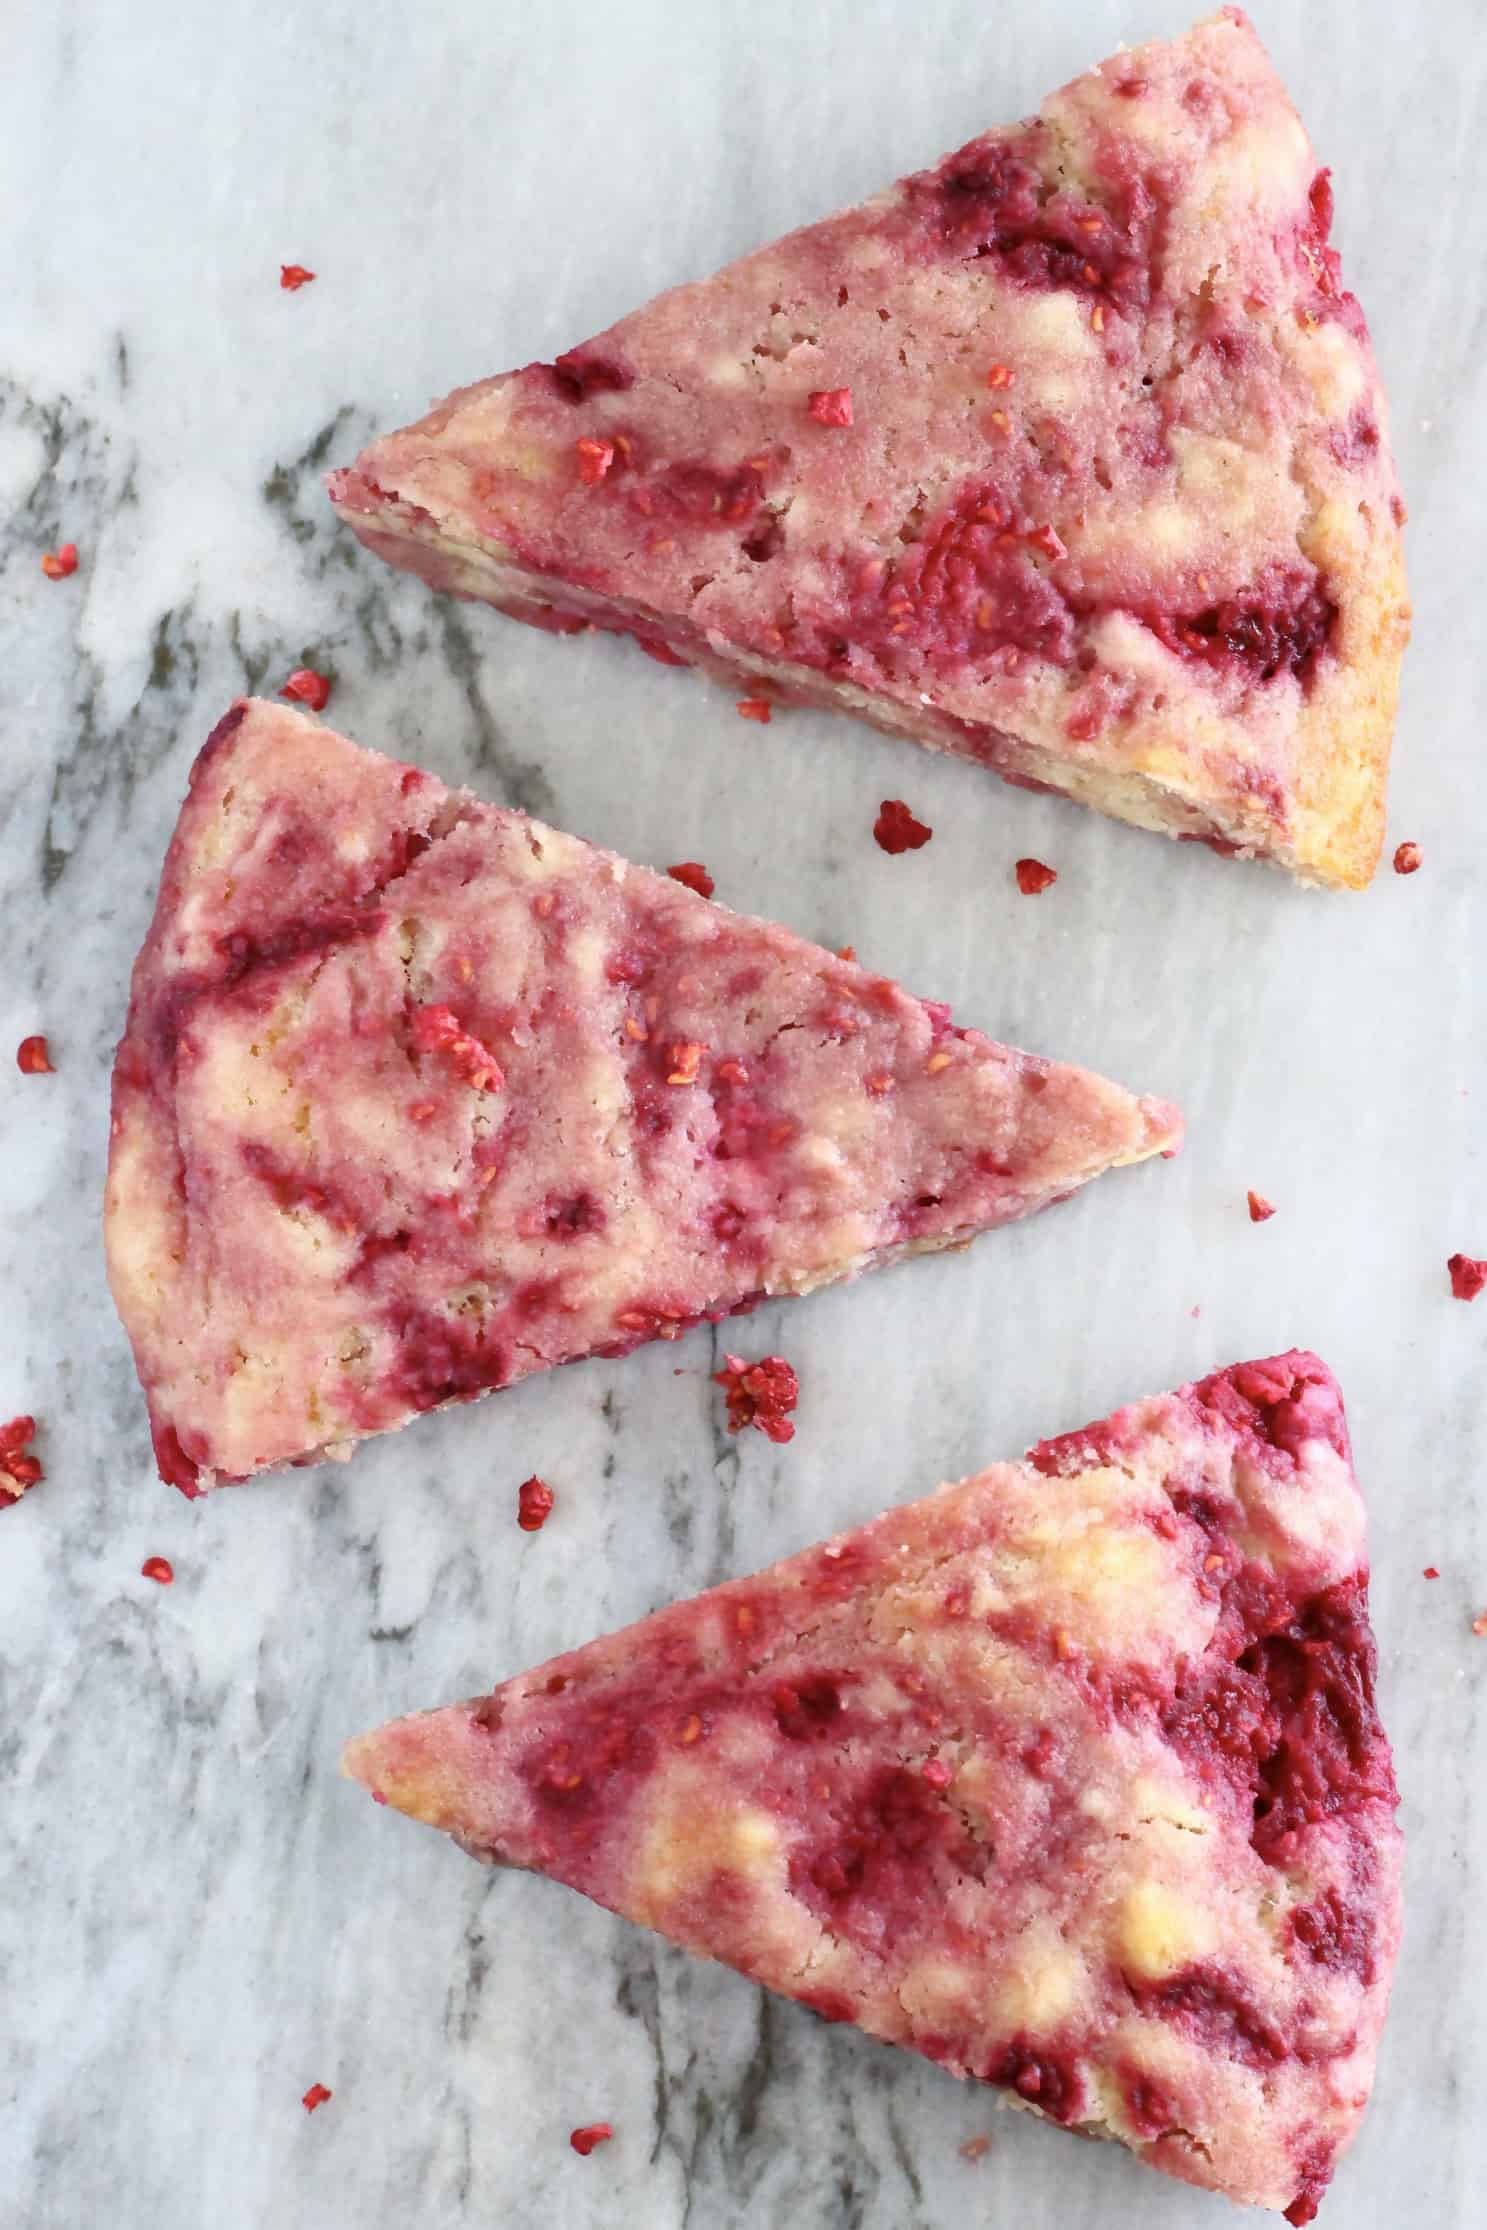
(18, 1471)
(1033, 876)
(760, 1394)
(1431, 1573)
(378, 1797)
(534, 1501)
(306, 687)
(1467, 1276)
(831, 406)
(292, 276)
(57, 564)
(1479, 1626)
(33, 1057)
(315, 2096)
(896, 830)
(694, 875)
(975, 2148)
(594, 460)
(1407, 859)
(157, 1568)
(753, 708)
(1260, 1209)
(595, 2133)
(999, 376)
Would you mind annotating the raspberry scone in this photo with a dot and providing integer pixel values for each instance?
(1068, 455)
(417, 1096)
(1069, 1777)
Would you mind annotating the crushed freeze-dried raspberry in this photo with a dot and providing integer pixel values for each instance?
(157, 1568)
(306, 687)
(594, 460)
(1033, 876)
(831, 406)
(1407, 858)
(1260, 1209)
(594, 2133)
(57, 564)
(315, 2096)
(1467, 1276)
(534, 1501)
(438, 1030)
(686, 1060)
(694, 875)
(18, 1471)
(999, 376)
(846, 952)
(33, 1057)
(760, 1394)
(1479, 1625)
(292, 276)
(975, 2148)
(1431, 1573)
(896, 830)
(753, 708)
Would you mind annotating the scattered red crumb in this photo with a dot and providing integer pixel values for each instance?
(694, 875)
(594, 460)
(896, 830)
(306, 687)
(1431, 1573)
(57, 564)
(438, 1030)
(686, 1060)
(1260, 1209)
(999, 376)
(760, 1394)
(831, 406)
(315, 2096)
(378, 1797)
(534, 1501)
(18, 1471)
(157, 1568)
(33, 1057)
(292, 276)
(975, 2148)
(594, 2133)
(753, 708)
(1407, 859)
(1033, 876)
(1467, 1276)
(846, 952)
(1479, 1626)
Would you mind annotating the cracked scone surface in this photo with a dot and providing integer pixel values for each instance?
(418, 1096)
(1115, 512)
(1069, 1777)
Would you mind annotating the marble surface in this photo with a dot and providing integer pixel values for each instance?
(199, 1917)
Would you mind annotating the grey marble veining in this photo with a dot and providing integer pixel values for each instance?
(199, 1918)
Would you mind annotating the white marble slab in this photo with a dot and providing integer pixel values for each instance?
(199, 1918)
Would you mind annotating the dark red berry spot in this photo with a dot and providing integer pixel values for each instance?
(831, 406)
(1033, 877)
(33, 1057)
(306, 687)
(593, 2133)
(157, 1568)
(534, 1501)
(1468, 1276)
(1407, 859)
(760, 1394)
(1260, 1209)
(896, 830)
(694, 875)
(316, 2095)
(292, 276)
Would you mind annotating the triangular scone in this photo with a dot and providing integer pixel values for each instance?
(417, 1097)
(1068, 455)
(1069, 1777)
